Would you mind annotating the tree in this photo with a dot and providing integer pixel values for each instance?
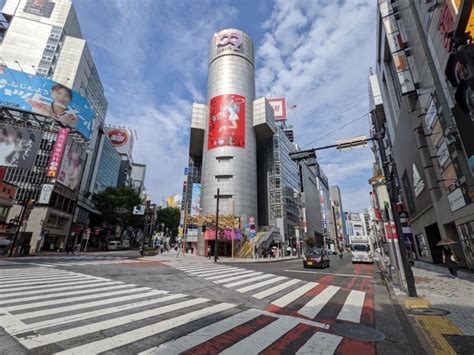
(310, 242)
(170, 217)
(116, 205)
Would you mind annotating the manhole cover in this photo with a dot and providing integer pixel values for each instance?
(428, 312)
(358, 332)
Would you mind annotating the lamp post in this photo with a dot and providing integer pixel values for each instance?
(217, 227)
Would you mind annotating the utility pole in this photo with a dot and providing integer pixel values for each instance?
(217, 227)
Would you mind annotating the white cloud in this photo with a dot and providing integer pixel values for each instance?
(317, 54)
(155, 56)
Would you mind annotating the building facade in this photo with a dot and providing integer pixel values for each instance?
(430, 135)
(338, 219)
(108, 166)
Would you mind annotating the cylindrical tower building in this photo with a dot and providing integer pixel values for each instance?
(230, 150)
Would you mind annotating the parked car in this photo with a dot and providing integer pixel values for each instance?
(316, 257)
(115, 245)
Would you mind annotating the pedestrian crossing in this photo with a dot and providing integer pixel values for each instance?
(310, 300)
(97, 315)
(75, 260)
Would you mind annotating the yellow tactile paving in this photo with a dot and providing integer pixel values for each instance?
(417, 303)
(435, 327)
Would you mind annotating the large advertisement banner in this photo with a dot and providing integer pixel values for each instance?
(226, 121)
(71, 166)
(19, 146)
(121, 138)
(46, 98)
(196, 199)
(57, 153)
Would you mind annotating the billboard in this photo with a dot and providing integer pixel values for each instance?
(279, 108)
(18, 146)
(43, 8)
(196, 199)
(57, 153)
(121, 138)
(226, 121)
(47, 98)
(71, 166)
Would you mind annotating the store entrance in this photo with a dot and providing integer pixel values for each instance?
(433, 235)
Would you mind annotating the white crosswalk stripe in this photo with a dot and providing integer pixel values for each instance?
(239, 277)
(109, 316)
(314, 306)
(271, 291)
(352, 309)
(233, 273)
(260, 284)
(204, 334)
(294, 295)
(320, 343)
(271, 287)
(75, 260)
(263, 338)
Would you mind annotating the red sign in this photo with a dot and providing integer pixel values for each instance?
(445, 26)
(226, 121)
(279, 108)
(118, 137)
(58, 150)
(390, 232)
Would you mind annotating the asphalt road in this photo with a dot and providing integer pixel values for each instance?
(116, 303)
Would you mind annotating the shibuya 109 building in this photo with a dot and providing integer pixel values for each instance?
(231, 149)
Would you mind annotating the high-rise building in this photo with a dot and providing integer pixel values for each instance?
(107, 172)
(336, 200)
(43, 39)
(236, 147)
(428, 127)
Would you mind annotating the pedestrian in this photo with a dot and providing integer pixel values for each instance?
(209, 252)
(451, 260)
(255, 249)
(341, 251)
(69, 248)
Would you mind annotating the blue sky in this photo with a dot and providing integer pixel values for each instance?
(152, 58)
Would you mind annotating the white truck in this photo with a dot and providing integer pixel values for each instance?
(361, 251)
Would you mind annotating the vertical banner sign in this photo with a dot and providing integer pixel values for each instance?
(58, 150)
(196, 199)
(226, 121)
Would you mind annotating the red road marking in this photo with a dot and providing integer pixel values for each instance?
(355, 347)
(229, 338)
(302, 332)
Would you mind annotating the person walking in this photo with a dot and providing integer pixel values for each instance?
(209, 252)
(70, 249)
(451, 260)
(341, 251)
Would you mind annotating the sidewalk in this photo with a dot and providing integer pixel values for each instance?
(172, 256)
(434, 283)
(451, 333)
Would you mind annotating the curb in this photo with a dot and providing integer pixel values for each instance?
(429, 331)
(258, 261)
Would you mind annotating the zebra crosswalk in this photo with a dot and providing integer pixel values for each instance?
(102, 315)
(310, 300)
(76, 260)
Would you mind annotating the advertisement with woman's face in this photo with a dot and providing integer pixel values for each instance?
(226, 121)
(18, 146)
(46, 98)
(71, 166)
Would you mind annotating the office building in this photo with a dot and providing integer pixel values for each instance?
(427, 127)
(108, 166)
(42, 39)
(336, 200)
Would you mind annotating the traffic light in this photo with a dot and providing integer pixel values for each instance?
(460, 73)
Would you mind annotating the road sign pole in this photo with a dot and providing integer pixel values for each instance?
(217, 227)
